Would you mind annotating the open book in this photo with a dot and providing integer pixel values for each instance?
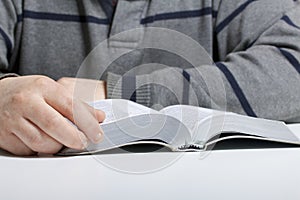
(178, 127)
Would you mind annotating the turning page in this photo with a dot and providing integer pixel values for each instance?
(116, 109)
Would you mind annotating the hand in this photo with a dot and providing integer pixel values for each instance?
(85, 89)
(33, 112)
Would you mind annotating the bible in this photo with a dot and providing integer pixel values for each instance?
(178, 127)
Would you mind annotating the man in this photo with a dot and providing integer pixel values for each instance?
(255, 44)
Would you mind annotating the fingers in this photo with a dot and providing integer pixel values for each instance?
(61, 100)
(85, 117)
(14, 145)
(98, 114)
(33, 117)
(87, 122)
(36, 139)
(56, 126)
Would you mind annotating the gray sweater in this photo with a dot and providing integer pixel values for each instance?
(255, 45)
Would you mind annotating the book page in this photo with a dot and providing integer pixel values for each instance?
(295, 128)
(189, 115)
(205, 124)
(229, 123)
(116, 109)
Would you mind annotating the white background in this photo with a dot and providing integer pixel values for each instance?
(268, 174)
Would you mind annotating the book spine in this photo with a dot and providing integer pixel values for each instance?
(191, 147)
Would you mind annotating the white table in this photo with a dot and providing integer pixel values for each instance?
(267, 174)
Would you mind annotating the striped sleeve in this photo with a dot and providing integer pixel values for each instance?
(261, 67)
(8, 22)
(257, 73)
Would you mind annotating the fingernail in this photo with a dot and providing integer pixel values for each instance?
(98, 137)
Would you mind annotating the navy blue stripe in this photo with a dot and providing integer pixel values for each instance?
(20, 18)
(237, 89)
(291, 59)
(179, 15)
(129, 88)
(186, 75)
(63, 17)
(233, 15)
(133, 97)
(186, 87)
(251, 44)
(8, 43)
(214, 13)
(289, 21)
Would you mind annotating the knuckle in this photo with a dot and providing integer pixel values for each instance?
(43, 82)
(44, 145)
(18, 98)
(68, 107)
(52, 122)
(63, 81)
(6, 116)
(36, 142)
(69, 101)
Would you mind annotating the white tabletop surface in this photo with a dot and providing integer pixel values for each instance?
(267, 174)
